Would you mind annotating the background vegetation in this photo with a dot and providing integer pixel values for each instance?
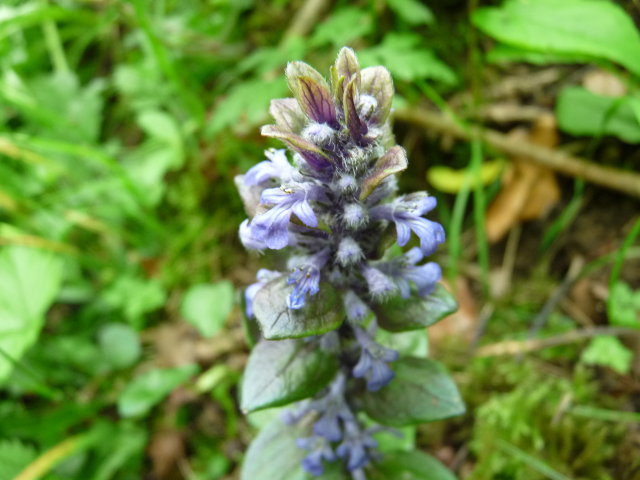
(122, 125)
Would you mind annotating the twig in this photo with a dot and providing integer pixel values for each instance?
(621, 180)
(305, 19)
(514, 347)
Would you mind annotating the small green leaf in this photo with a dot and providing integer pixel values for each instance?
(410, 466)
(246, 105)
(581, 112)
(148, 389)
(322, 313)
(401, 314)
(283, 371)
(206, 306)
(149, 296)
(412, 11)
(161, 125)
(623, 306)
(342, 26)
(585, 27)
(422, 391)
(608, 351)
(29, 281)
(407, 59)
(120, 344)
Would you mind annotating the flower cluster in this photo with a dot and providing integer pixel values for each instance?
(333, 203)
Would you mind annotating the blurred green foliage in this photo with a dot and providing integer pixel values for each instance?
(122, 125)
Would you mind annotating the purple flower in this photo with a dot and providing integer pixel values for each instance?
(277, 167)
(355, 216)
(263, 276)
(349, 252)
(272, 226)
(320, 450)
(380, 285)
(373, 361)
(355, 445)
(356, 309)
(404, 270)
(406, 212)
(305, 281)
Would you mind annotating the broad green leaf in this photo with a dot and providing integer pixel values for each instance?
(29, 281)
(422, 391)
(608, 351)
(15, 456)
(283, 371)
(322, 312)
(502, 53)
(413, 343)
(581, 112)
(120, 344)
(596, 28)
(206, 306)
(401, 314)
(412, 11)
(148, 389)
(409, 466)
(407, 59)
(274, 455)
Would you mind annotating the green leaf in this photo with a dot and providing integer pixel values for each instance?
(407, 59)
(401, 314)
(581, 112)
(14, 458)
(273, 454)
(410, 466)
(588, 27)
(120, 344)
(343, 26)
(412, 11)
(164, 131)
(608, 351)
(246, 104)
(502, 53)
(422, 391)
(206, 306)
(283, 371)
(148, 389)
(623, 306)
(149, 296)
(322, 312)
(29, 281)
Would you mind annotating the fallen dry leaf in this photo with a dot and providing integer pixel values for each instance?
(529, 191)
